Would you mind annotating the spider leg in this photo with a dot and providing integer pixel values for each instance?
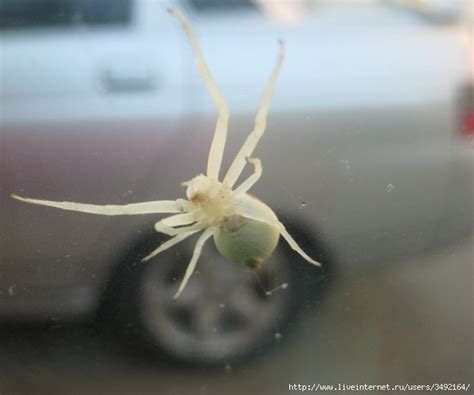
(160, 227)
(220, 133)
(260, 124)
(192, 264)
(168, 244)
(293, 244)
(179, 219)
(166, 225)
(153, 207)
(249, 182)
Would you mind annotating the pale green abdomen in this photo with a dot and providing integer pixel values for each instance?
(248, 241)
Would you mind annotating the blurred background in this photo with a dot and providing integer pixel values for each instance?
(367, 159)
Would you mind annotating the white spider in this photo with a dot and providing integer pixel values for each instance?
(245, 229)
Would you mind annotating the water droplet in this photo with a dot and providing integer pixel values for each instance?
(11, 290)
(389, 188)
(222, 305)
(228, 367)
(284, 285)
(278, 336)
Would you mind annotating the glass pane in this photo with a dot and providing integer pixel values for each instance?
(361, 159)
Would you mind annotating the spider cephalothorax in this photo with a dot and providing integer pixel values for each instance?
(245, 229)
(210, 200)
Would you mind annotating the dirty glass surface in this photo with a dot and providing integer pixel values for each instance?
(367, 159)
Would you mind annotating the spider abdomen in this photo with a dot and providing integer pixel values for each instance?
(250, 236)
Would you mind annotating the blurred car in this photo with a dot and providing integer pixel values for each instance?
(363, 157)
(441, 11)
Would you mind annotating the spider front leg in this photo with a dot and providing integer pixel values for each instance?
(153, 207)
(220, 133)
(260, 124)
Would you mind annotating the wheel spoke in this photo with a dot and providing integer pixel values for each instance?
(244, 303)
(206, 318)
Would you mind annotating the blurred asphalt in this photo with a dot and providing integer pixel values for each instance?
(410, 322)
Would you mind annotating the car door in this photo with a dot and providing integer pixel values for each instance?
(88, 99)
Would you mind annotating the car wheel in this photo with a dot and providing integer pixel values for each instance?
(225, 312)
